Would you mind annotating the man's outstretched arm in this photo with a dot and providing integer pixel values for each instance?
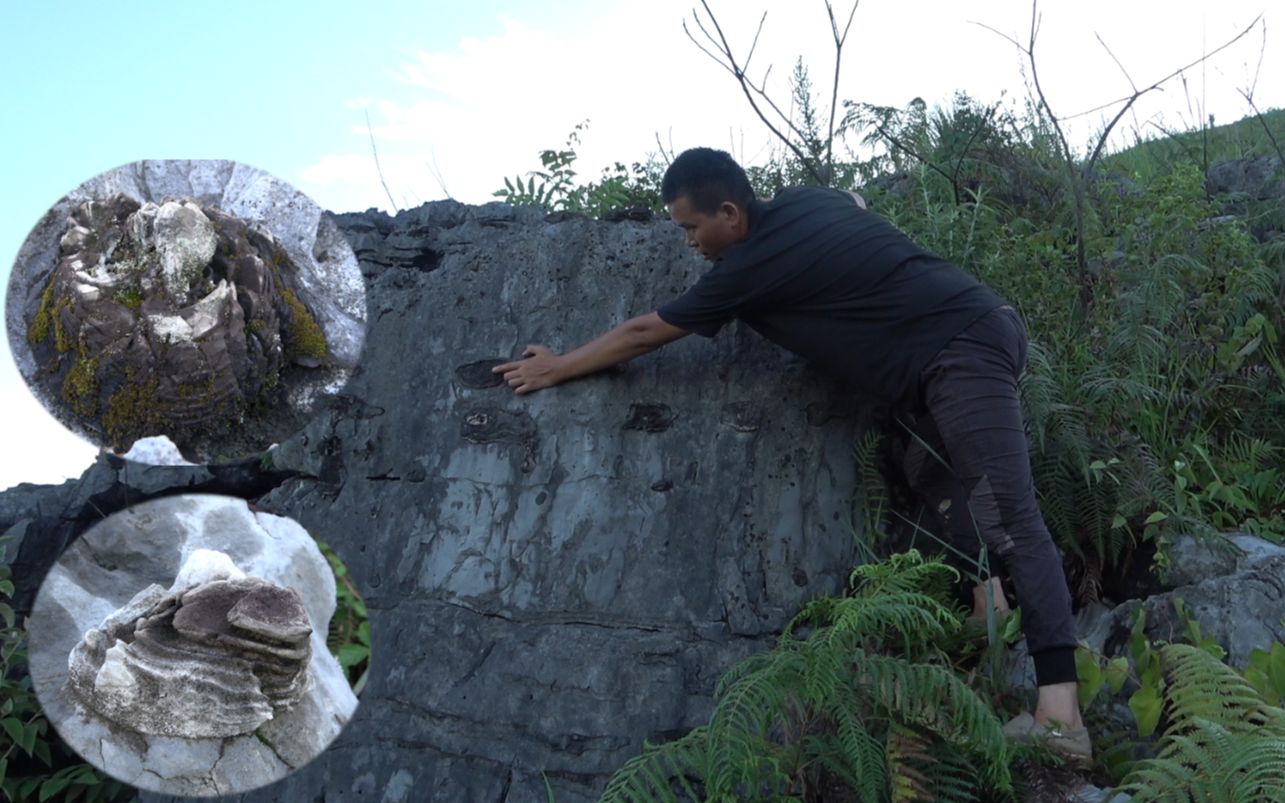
(542, 368)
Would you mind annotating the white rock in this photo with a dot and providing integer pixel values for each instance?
(185, 243)
(170, 327)
(211, 310)
(156, 450)
(88, 292)
(204, 565)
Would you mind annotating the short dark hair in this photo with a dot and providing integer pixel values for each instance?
(706, 177)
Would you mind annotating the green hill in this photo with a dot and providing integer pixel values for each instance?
(1250, 136)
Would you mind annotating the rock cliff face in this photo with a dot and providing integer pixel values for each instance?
(551, 579)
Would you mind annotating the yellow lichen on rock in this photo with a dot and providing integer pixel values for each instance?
(62, 341)
(80, 385)
(305, 338)
(132, 411)
(43, 320)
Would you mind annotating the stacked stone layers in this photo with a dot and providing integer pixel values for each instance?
(213, 660)
(173, 318)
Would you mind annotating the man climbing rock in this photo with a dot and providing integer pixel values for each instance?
(816, 273)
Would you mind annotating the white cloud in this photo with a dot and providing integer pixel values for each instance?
(484, 108)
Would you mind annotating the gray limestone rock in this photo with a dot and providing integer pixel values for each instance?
(1232, 585)
(205, 680)
(1194, 559)
(560, 576)
(1256, 176)
(177, 298)
(551, 579)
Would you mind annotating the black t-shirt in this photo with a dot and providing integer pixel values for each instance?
(838, 285)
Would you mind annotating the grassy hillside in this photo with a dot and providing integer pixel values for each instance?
(1250, 136)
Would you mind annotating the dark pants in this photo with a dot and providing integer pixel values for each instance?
(968, 415)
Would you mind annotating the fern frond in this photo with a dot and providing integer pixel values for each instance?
(1224, 743)
(937, 700)
(907, 571)
(1213, 763)
(906, 753)
(831, 701)
(1201, 687)
(653, 775)
(739, 757)
(917, 619)
(864, 756)
(954, 777)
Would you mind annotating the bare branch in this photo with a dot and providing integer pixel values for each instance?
(728, 62)
(379, 170)
(1174, 74)
(902, 146)
(667, 156)
(1137, 93)
(1258, 68)
(1249, 98)
(1039, 90)
(1000, 34)
(755, 43)
(437, 172)
(839, 39)
(1127, 77)
(959, 163)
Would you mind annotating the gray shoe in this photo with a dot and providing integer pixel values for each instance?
(1072, 744)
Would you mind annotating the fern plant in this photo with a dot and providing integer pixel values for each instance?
(1224, 742)
(35, 764)
(555, 188)
(855, 691)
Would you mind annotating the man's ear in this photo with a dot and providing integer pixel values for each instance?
(733, 213)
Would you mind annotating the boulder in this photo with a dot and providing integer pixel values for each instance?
(1231, 586)
(1257, 177)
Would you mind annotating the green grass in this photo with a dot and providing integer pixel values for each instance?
(1154, 155)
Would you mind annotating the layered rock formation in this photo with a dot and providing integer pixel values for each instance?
(218, 654)
(179, 645)
(138, 312)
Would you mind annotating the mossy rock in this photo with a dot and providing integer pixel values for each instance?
(43, 320)
(80, 385)
(304, 338)
(133, 410)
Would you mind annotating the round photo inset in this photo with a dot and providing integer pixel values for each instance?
(204, 301)
(187, 646)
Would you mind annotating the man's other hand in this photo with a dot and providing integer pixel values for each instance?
(536, 371)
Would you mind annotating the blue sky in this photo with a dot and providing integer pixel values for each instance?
(460, 95)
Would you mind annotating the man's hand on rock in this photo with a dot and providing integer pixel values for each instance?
(542, 368)
(536, 371)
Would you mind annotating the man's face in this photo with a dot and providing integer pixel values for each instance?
(710, 233)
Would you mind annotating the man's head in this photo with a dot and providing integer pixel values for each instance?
(708, 194)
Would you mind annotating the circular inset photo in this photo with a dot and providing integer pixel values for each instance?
(192, 646)
(204, 301)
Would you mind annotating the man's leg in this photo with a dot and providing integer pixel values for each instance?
(970, 391)
(948, 522)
